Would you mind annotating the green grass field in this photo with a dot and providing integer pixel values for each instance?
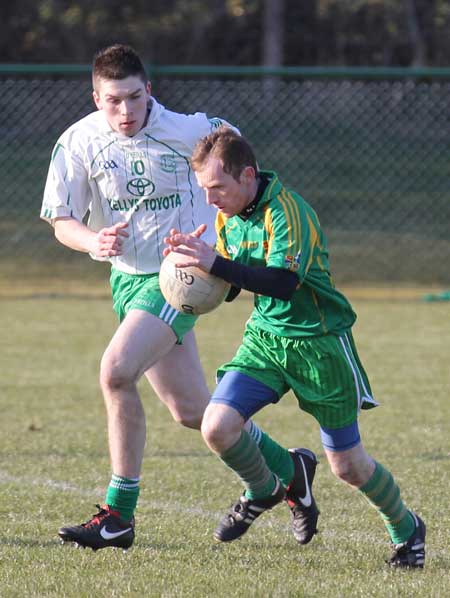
(54, 463)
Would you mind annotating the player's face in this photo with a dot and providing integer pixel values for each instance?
(124, 102)
(223, 191)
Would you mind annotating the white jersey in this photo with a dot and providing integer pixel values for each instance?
(145, 180)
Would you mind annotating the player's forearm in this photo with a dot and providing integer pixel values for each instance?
(74, 234)
(232, 293)
(273, 282)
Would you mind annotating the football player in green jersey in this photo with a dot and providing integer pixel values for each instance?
(269, 241)
(119, 180)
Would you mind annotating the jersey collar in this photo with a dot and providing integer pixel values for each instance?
(155, 110)
(251, 207)
(269, 186)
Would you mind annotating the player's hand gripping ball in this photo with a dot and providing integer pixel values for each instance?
(190, 290)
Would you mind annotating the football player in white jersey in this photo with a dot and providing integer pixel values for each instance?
(126, 167)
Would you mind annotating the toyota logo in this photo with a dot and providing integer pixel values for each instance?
(140, 187)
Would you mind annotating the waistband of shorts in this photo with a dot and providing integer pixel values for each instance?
(289, 338)
(115, 272)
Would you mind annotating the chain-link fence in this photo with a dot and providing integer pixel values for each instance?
(369, 154)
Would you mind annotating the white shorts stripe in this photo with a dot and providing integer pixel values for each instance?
(355, 377)
(366, 392)
(363, 394)
(162, 313)
(168, 313)
(173, 316)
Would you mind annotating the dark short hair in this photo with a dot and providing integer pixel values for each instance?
(117, 62)
(229, 147)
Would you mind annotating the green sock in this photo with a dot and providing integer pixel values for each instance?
(383, 493)
(122, 495)
(246, 460)
(278, 459)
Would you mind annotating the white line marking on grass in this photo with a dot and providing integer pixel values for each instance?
(6, 478)
(172, 507)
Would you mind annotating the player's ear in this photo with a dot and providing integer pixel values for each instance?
(148, 88)
(97, 100)
(248, 175)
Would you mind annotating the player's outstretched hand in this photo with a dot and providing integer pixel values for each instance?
(191, 245)
(108, 241)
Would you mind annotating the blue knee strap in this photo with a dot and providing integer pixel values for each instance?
(243, 393)
(340, 439)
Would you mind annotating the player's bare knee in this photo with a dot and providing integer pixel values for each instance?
(188, 419)
(114, 376)
(347, 472)
(216, 433)
(342, 472)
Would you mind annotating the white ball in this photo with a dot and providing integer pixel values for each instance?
(189, 289)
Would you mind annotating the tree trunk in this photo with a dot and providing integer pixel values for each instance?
(416, 34)
(272, 51)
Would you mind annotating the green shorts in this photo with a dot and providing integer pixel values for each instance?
(324, 372)
(141, 291)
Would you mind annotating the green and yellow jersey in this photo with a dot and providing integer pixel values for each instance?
(284, 232)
